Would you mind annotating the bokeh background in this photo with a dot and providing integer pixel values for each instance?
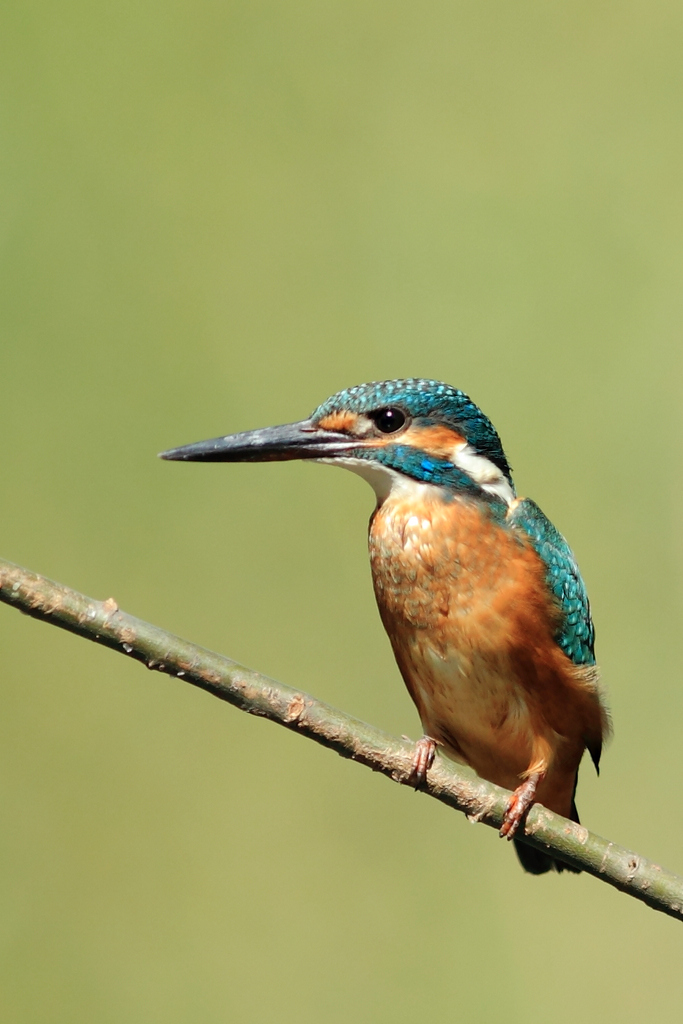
(212, 215)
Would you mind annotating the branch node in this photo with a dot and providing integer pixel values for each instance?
(295, 709)
(633, 865)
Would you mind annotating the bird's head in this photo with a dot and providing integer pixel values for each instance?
(392, 433)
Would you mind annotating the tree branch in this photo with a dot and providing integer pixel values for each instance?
(103, 622)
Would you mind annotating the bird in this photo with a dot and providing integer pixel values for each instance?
(480, 595)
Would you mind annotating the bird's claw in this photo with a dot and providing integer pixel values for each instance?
(423, 759)
(518, 805)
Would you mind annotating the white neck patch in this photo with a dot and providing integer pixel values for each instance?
(489, 477)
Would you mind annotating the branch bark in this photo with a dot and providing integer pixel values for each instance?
(105, 623)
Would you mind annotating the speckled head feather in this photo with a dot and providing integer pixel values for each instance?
(427, 402)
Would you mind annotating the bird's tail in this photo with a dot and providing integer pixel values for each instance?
(538, 863)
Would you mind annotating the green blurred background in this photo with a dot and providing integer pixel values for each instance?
(212, 215)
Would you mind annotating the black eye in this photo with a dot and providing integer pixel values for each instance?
(388, 420)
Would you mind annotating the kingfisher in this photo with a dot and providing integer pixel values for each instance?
(480, 595)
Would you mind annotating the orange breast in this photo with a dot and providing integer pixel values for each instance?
(465, 605)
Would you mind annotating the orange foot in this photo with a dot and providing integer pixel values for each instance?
(518, 805)
(423, 759)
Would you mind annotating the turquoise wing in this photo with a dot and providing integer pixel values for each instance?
(576, 636)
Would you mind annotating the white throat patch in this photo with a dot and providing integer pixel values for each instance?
(382, 479)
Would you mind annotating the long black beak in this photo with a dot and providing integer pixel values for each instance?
(292, 441)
